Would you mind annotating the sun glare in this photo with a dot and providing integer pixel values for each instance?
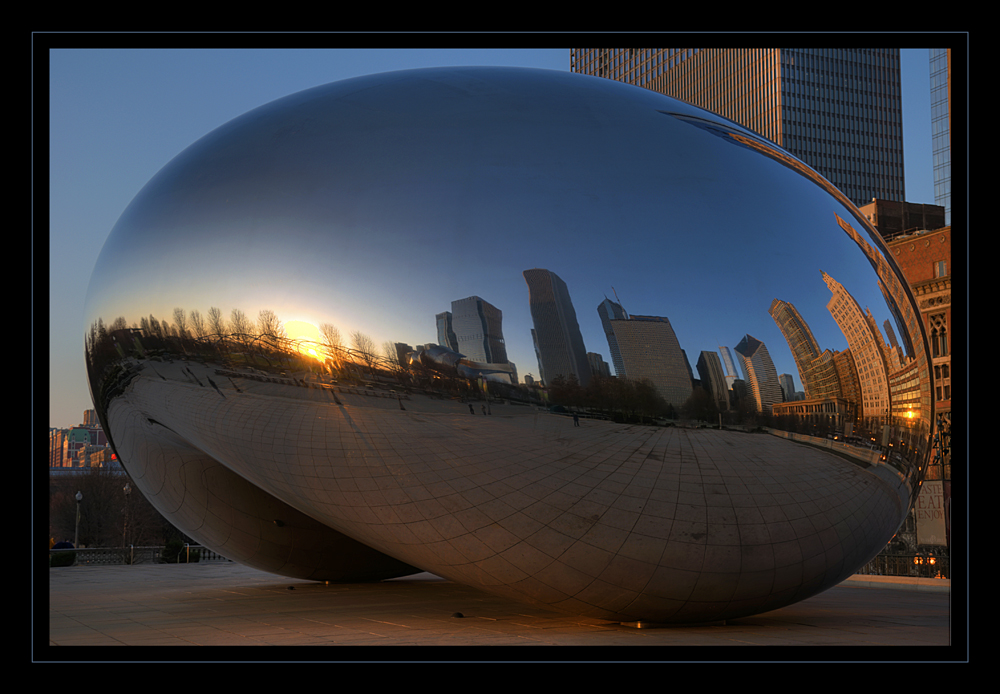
(304, 333)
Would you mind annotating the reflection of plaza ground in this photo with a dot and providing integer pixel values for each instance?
(614, 521)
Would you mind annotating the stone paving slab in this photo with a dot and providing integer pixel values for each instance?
(226, 604)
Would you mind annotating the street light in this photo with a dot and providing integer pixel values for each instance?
(127, 489)
(76, 532)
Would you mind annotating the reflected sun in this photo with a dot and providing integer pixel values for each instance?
(305, 333)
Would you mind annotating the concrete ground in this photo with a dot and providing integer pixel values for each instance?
(226, 604)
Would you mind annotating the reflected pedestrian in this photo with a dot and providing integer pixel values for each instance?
(471, 411)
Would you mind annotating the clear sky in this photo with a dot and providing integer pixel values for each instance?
(118, 116)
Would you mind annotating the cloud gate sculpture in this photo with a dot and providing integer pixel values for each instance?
(560, 338)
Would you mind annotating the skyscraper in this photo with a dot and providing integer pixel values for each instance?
(608, 310)
(762, 377)
(732, 374)
(478, 327)
(446, 333)
(838, 110)
(867, 349)
(650, 350)
(557, 338)
(816, 368)
(713, 379)
(941, 127)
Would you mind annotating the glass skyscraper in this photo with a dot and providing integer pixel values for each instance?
(838, 110)
(941, 127)
(608, 310)
(762, 378)
(478, 329)
(556, 335)
(650, 350)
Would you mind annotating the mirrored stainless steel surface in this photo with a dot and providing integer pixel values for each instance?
(526, 330)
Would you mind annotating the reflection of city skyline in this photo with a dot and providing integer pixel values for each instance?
(641, 347)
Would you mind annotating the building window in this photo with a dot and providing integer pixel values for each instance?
(940, 269)
(939, 335)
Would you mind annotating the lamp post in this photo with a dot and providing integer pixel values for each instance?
(76, 532)
(127, 489)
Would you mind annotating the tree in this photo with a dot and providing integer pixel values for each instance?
(364, 348)
(197, 324)
(181, 320)
(333, 343)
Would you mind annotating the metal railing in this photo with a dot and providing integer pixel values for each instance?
(919, 565)
(97, 556)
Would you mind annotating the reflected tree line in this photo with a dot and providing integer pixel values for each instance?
(262, 342)
(114, 350)
(638, 401)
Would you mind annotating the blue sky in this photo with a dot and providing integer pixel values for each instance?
(118, 116)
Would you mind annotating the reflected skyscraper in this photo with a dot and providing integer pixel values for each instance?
(713, 379)
(557, 338)
(816, 369)
(729, 364)
(650, 350)
(445, 331)
(608, 310)
(838, 110)
(762, 377)
(787, 386)
(478, 327)
(867, 348)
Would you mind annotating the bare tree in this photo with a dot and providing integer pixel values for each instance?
(181, 320)
(197, 324)
(268, 325)
(215, 322)
(391, 355)
(333, 342)
(364, 348)
(242, 329)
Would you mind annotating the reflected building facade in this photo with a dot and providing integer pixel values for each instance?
(729, 364)
(867, 350)
(762, 377)
(816, 369)
(839, 110)
(478, 328)
(446, 332)
(556, 335)
(608, 310)
(650, 350)
(713, 379)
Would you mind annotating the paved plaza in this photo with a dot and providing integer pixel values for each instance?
(226, 604)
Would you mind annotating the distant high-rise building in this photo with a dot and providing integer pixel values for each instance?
(838, 110)
(650, 350)
(941, 128)
(608, 310)
(446, 333)
(867, 349)
(598, 367)
(787, 386)
(816, 369)
(729, 365)
(762, 377)
(713, 378)
(478, 327)
(557, 338)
